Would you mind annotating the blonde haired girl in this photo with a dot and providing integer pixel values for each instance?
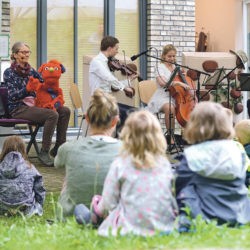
(137, 190)
(21, 184)
(212, 170)
(143, 140)
(160, 101)
(87, 160)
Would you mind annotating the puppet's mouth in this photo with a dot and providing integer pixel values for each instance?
(51, 78)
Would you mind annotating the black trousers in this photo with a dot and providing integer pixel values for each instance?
(124, 111)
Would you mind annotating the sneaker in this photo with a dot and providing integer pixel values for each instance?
(43, 156)
(96, 216)
(82, 214)
(53, 151)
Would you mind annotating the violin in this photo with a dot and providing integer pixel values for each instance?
(126, 69)
(186, 99)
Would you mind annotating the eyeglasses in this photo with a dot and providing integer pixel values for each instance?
(24, 52)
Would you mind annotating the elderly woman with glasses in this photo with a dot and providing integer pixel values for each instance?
(21, 102)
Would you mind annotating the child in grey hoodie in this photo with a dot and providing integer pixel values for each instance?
(21, 185)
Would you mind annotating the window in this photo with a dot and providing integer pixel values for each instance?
(23, 25)
(127, 26)
(60, 29)
(90, 31)
(60, 38)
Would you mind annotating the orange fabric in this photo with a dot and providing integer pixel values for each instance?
(48, 94)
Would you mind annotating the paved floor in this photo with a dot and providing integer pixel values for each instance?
(53, 177)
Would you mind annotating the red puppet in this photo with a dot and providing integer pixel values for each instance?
(48, 93)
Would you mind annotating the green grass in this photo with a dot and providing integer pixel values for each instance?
(36, 233)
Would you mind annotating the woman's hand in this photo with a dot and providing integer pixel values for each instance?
(184, 85)
(33, 84)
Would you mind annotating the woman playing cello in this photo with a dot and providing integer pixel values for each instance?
(160, 101)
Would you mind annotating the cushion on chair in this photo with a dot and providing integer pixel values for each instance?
(192, 74)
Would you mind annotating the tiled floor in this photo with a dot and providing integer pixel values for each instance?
(53, 178)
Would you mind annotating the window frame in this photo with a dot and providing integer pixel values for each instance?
(109, 29)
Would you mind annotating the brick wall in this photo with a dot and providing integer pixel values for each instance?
(170, 21)
(5, 20)
(5, 27)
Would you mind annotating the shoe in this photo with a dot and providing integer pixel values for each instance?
(170, 147)
(53, 151)
(43, 156)
(96, 215)
(82, 214)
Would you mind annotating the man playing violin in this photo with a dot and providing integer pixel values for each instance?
(100, 75)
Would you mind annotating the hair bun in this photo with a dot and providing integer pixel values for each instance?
(99, 97)
(102, 109)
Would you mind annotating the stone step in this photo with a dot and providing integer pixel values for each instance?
(71, 134)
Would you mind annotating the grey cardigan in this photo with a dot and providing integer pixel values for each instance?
(87, 162)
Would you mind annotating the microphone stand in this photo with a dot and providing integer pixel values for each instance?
(170, 131)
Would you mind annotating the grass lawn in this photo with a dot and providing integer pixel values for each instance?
(37, 233)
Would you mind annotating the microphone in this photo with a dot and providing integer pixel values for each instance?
(174, 73)
(140, 54)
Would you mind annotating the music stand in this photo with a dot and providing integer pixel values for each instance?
(244, 82)
(214, 80)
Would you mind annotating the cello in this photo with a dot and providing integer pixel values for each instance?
(186, 99)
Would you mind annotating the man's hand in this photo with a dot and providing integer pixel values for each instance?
(129, 91)
(133, 76)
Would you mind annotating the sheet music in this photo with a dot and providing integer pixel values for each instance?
(216, 77)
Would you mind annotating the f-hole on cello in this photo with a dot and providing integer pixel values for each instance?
(186, 99)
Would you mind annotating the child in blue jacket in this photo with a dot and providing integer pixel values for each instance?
(211, 174)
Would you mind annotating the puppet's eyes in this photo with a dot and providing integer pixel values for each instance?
(56, 68)
(46, 68)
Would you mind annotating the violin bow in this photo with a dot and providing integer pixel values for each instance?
(124, 56)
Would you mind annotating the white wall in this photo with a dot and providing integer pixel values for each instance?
(222, 20)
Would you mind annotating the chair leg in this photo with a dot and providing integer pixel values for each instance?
(87, 130)
(79, 131)
(33, 134)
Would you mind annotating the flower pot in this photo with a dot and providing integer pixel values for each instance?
(224, 104)
(206, 97)
(238, 108)
(235, 93)
(232, 76)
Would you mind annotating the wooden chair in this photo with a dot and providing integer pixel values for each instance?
(7, 121)
(77, 104)
(146, 89)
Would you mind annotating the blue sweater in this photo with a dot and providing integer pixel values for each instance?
(16, 85)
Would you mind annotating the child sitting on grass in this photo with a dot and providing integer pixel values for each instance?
(211, 174)
(21, 186)
(137, 193)
(242, 130)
